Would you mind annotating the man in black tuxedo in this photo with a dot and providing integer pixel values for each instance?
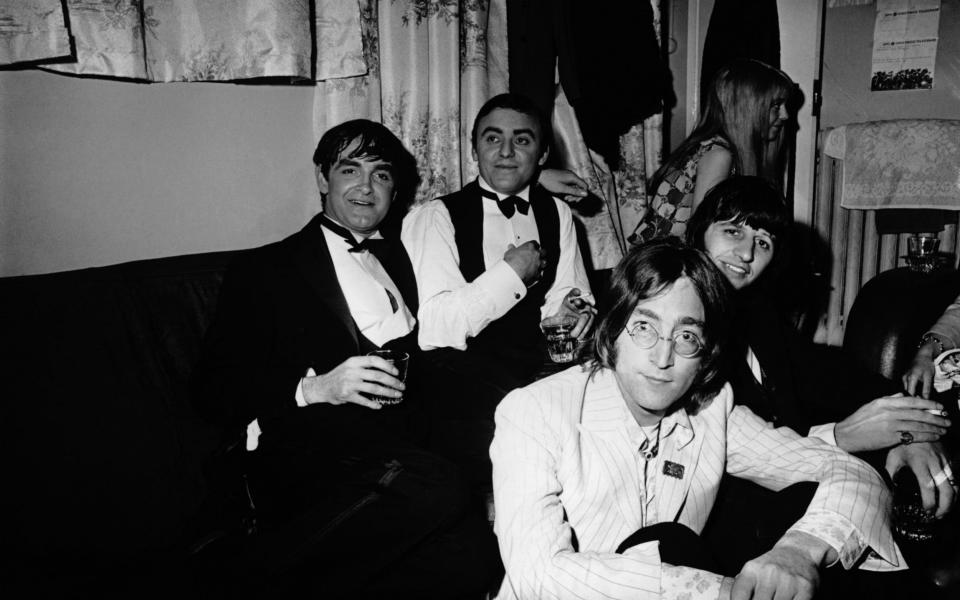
(349, 502)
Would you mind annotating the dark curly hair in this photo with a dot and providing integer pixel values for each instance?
(375, 141)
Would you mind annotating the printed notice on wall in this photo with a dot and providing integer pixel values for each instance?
(905, 44)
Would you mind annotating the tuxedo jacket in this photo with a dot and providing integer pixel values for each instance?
(281, 310)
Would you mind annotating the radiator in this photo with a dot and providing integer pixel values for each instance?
(858, 250)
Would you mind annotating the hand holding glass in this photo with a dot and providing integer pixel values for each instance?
(561, 345)
(399, 360)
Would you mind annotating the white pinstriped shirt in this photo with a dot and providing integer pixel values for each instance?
(566, 444)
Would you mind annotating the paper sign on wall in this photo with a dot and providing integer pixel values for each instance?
(905, 44)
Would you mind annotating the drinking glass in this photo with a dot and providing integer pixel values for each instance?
(561, 346)
(398, 359)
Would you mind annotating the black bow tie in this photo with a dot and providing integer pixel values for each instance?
(508, 205)
(368, 244)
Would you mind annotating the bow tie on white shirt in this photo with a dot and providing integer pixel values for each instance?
(508, 205)
(374, 246)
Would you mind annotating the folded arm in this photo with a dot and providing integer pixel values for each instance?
(850, 510)
(452, 310)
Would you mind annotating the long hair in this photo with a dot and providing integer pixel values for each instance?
(737, 108)
(646, 271)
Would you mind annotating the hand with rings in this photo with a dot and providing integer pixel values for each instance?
(931, 466)
(890, 421)
(945, 475)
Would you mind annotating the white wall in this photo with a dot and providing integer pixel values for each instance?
(800, 35)
(95, 172)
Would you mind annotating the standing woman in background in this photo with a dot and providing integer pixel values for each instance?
(741, 131)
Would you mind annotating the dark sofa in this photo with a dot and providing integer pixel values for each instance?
(114, 487)
(109, 473)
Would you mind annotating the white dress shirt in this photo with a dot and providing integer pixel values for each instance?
(452, 310)
(566, 463)
(365, 283)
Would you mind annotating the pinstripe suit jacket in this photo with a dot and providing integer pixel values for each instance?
(568, 487)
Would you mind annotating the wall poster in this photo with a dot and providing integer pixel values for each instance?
(905, 39)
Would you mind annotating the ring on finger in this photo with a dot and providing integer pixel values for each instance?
(941, 477)
(906, 438)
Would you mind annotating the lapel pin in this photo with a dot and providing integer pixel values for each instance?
(672, 469)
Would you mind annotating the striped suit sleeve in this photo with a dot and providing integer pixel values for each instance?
(851, 507)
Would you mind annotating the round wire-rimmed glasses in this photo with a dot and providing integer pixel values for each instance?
(685, 343)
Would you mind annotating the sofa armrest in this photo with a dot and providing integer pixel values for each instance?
(892, 312)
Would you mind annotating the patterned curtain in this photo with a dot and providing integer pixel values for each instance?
(431, 65)
(186, 40)
(32, 31)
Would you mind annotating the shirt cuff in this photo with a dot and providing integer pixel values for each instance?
(301, 399)
(504, 286)
(835, 531)
(825, 432)
(689, 583)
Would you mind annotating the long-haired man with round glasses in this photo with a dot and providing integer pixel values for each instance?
(605, 474)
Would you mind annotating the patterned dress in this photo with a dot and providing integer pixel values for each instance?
(672, 203)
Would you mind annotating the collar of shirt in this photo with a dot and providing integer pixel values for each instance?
(367, 287)
(523, 194)
(376, 235)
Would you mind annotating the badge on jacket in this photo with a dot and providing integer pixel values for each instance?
(672, 469)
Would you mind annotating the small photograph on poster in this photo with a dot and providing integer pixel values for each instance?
(905, 44)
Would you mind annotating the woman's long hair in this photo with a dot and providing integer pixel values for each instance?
(737, 108)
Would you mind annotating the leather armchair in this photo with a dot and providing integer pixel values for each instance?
(882, 332)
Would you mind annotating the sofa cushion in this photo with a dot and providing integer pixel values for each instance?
(105, 452)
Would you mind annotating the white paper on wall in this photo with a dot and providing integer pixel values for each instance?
(905, 44)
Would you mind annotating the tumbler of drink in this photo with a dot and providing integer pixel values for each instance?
(922, 252)
(560, 344)
(911, 523)
(399, 360)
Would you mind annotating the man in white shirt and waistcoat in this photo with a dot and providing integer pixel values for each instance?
(350, 503)
(491, 261)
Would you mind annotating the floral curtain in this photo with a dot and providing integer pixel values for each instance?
(32, 31)
(185, 40)
(431, 65)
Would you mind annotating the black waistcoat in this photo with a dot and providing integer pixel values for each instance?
(516, 335)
